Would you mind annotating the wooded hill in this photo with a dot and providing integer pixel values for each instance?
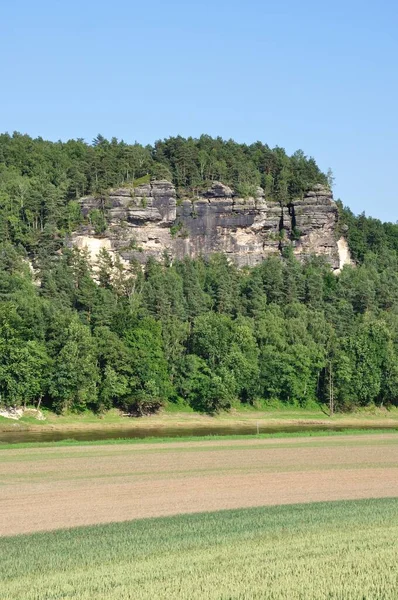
(199, 332)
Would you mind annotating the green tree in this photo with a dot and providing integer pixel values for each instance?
(74, 379)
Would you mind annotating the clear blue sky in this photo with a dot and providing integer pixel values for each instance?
(320, 76)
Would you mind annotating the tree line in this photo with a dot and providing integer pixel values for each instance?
(203, 333)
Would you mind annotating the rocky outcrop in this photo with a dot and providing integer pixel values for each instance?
(16, 413)
(311, 224)
(149, 221)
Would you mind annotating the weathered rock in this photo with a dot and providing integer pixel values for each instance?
(148, 221)
(155, 202)
(11, 412)
(218, 190)
(313, 221)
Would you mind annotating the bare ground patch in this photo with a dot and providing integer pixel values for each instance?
(44, 489)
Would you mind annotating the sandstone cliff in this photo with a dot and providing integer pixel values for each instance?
(148, 220)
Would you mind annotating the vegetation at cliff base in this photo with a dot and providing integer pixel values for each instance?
(313, 551)
(203, 333)
(195, 332)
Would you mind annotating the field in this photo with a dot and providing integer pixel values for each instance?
(322, 551)
(51, 488)
(187, 421)
(300, 518)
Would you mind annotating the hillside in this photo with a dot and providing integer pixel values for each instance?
(195, 294)
(43, 181)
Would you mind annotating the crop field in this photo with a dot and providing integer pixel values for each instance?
(336, 550)
(50, 488)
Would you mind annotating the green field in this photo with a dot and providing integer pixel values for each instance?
(335, 550)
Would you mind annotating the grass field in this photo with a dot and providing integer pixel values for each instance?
(323, 551)
(66, 486)
(173, 417)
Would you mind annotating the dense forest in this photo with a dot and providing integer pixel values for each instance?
(198, 332)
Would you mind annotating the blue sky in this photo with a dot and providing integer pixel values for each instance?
(320, 76)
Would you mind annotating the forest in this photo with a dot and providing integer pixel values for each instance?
(193, 332)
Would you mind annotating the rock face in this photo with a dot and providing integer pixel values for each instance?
(148, 221)
(311, 222)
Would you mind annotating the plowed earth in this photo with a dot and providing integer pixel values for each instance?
(51, 488)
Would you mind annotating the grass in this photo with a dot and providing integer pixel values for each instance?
(182, 415)
(323, 551)
(194, 438)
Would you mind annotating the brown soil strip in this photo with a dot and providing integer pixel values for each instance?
(67, 487)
